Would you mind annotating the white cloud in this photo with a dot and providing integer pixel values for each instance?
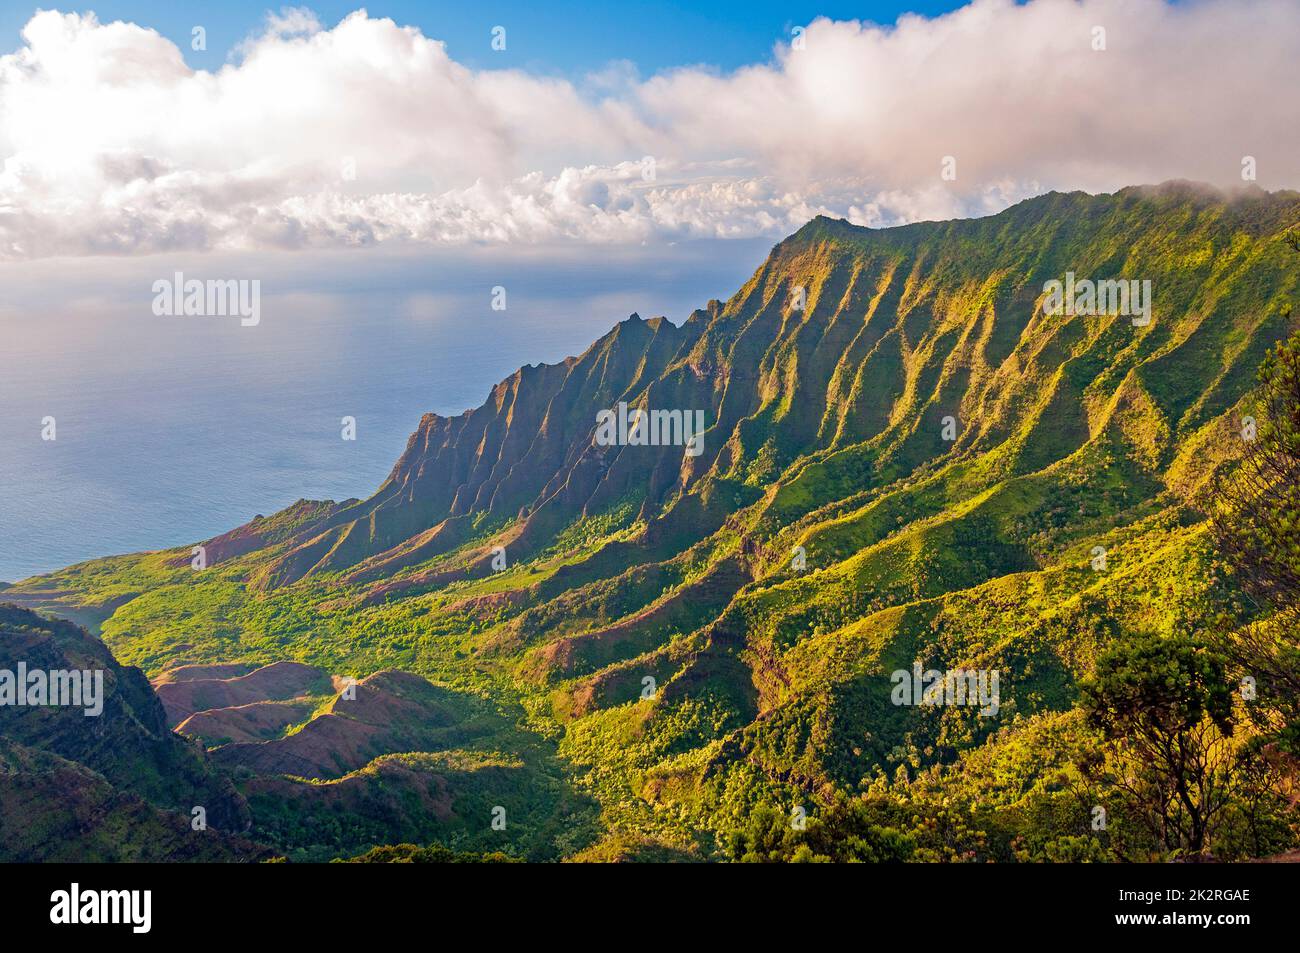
(111, 144)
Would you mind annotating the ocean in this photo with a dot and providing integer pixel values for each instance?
(169, 430)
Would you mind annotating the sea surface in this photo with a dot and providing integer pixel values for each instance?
(169, 430)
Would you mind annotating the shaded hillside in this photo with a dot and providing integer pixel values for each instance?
(334, 768)
(119, 782)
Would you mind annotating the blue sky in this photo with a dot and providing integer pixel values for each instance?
(561, 37)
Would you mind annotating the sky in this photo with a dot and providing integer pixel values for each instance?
(323, 127)
(560, 37)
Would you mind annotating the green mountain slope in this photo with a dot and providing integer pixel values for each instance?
(942, 456)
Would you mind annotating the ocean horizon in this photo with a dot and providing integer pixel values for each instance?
(170, 430)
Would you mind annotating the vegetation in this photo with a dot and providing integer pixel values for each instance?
(1164, 706)
(921, 470)
(1257, 528)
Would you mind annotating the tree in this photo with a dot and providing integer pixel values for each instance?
(1164, 706)
(1256, 527)
(846, 831)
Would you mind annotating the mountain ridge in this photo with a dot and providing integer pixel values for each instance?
(496, 485)
(916, 466)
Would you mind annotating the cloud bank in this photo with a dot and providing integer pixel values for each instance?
(369, 132)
